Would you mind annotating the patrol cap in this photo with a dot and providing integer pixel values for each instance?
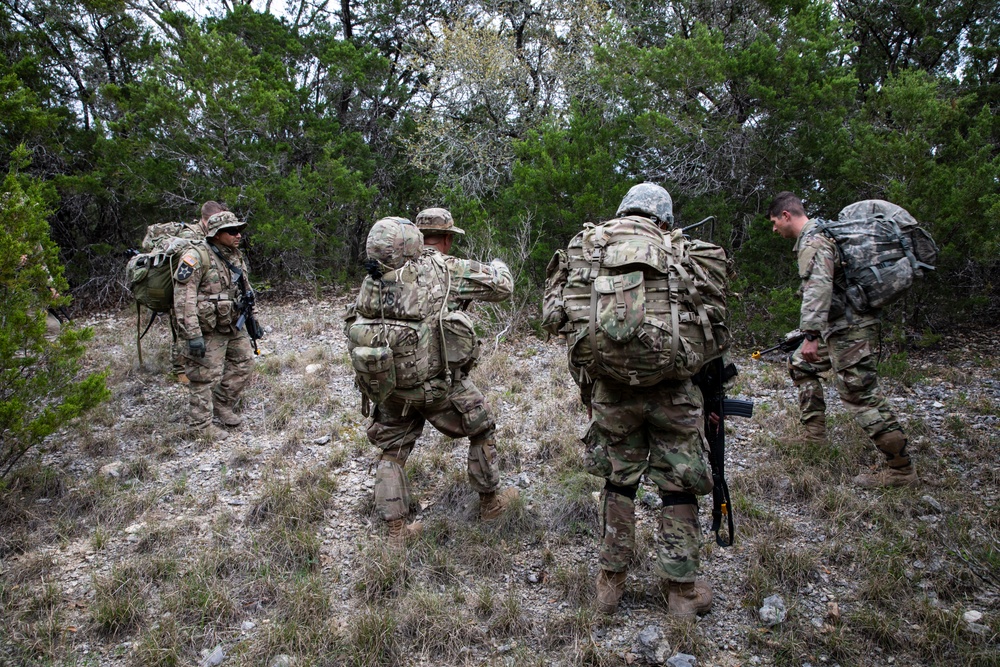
(394, 241)
(437, 221)
(649, 200)
(223, 220)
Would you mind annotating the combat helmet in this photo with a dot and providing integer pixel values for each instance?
(648, 200)
(437, 221)
(223, 220)
(392, 242)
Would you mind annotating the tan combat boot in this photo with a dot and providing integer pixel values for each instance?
(226, 415)
(686, 600)
(493, 504)
(400, 532)
(899, 470)
(610, 586)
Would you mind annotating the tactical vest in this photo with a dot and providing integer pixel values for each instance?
(642, 306)
(882, 248)
(400, 335)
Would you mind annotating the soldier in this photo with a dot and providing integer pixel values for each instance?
(53, 324)
(835, 341)
(194, 230)
(449, 399)
(657, 431)
(217, 357)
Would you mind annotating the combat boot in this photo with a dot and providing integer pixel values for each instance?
(400, 532)
(610, 586)
(899, 469)
(687, 599)
(226, 415)
(493, 504)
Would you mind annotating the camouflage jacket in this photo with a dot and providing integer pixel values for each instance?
(823, 284)
(475, 281)
(205, 295)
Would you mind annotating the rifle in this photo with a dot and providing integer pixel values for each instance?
(788, 344)
(711, 380)
(59, 312)
(246, 303)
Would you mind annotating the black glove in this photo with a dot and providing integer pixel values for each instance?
(196, 347)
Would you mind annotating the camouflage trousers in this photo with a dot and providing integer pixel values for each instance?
(658, 432)
(461, 412)
(219, 377)
(849, 353)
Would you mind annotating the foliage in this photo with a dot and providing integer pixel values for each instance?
(313, 122)
(41, 383)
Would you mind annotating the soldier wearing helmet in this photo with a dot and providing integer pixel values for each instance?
(217, 356)
(636, 431)
(406, 276)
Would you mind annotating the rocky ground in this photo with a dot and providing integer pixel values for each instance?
(129, 544)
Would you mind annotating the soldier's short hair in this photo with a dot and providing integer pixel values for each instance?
(210, 208)
(785, 201)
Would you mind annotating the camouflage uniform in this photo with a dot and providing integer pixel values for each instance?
(205, 298)
(654, 431)
(193, 231)
(848, 342)
(453, 405)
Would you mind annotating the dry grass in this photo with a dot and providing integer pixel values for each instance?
(269, 544)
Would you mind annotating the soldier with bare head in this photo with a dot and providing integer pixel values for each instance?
(412, 353)
(840, 340)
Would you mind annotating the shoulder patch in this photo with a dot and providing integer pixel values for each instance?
(806, 256)
(185, 270)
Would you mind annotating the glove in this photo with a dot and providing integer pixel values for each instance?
(196, 347)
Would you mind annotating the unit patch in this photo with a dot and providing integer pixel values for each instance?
(185, 270)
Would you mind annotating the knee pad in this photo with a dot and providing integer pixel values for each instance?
(627, 491)
(671, 498)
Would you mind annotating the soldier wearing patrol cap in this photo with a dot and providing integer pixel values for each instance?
(217, 356)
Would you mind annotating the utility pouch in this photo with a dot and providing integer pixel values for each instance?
(375, 371)
(620, 305)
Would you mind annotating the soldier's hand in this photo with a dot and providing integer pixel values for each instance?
(810, 350)
(196, 347)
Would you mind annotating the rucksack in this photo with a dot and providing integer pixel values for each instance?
(150, 275)
(882, 249)
(400, 335)
(638, 305)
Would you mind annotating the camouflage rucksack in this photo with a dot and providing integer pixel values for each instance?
(149, 275)
(882, 249)
(398, 334)
(638, 305)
